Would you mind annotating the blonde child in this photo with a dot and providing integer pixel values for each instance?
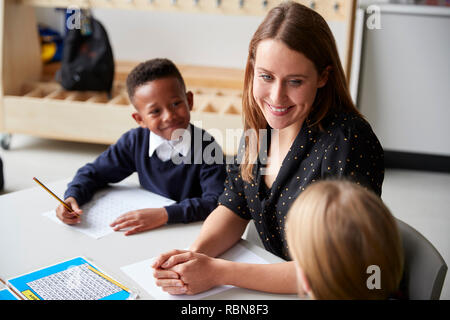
(339, 235)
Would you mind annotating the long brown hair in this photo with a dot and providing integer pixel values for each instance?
(335, 231)
(304, 31)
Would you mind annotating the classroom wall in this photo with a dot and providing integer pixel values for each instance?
(186, 38)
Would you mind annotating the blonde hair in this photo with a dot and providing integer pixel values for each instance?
(305, 31)
(335, 231)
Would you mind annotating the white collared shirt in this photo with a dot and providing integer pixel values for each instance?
(166, 149)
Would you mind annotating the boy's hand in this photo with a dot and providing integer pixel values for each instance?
(141, 220)
(65, 215)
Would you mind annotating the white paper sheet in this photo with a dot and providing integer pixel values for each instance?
(108, 204)
(142, 273)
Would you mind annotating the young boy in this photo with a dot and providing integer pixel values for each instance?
(158, 93)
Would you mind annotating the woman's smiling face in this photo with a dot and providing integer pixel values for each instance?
(285, 83)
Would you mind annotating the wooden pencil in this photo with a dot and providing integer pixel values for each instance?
(10, 288)
(55, 196)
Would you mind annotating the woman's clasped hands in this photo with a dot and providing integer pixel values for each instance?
(187, 272)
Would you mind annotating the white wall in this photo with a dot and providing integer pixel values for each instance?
(185, 38)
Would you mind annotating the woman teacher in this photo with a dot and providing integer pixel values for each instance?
(295, 87)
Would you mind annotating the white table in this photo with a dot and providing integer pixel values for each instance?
(30, 241)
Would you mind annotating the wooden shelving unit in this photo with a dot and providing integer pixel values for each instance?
(31, 103)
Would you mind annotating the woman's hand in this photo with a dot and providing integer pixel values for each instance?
(187, 272)
(140, 220)
(69, 217)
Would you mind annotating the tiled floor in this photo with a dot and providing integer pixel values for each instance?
(421, 199)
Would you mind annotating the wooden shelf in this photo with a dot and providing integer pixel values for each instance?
(45, 109)
(207, 99)
(194, 76)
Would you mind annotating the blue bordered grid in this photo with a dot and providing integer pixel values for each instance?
(20, 283)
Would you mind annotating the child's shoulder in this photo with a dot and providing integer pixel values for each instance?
(134, 135)
(137, 132)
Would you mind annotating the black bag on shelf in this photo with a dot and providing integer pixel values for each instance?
(87, 60)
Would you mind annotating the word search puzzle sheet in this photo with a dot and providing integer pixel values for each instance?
(110, 203)
(75, 279)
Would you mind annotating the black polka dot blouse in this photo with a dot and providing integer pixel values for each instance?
(347, 147)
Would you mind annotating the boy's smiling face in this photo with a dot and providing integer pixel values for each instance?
(163, 106)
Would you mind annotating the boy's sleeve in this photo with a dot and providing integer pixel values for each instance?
(195, 209)
(113, 165)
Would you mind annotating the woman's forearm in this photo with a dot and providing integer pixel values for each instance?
(274, 278)
(220, 231)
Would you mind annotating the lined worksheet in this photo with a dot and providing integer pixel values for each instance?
(110, 203)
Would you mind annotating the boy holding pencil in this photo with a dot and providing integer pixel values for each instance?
(158, 93)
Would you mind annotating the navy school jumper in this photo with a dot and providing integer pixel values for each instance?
(193, 184)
